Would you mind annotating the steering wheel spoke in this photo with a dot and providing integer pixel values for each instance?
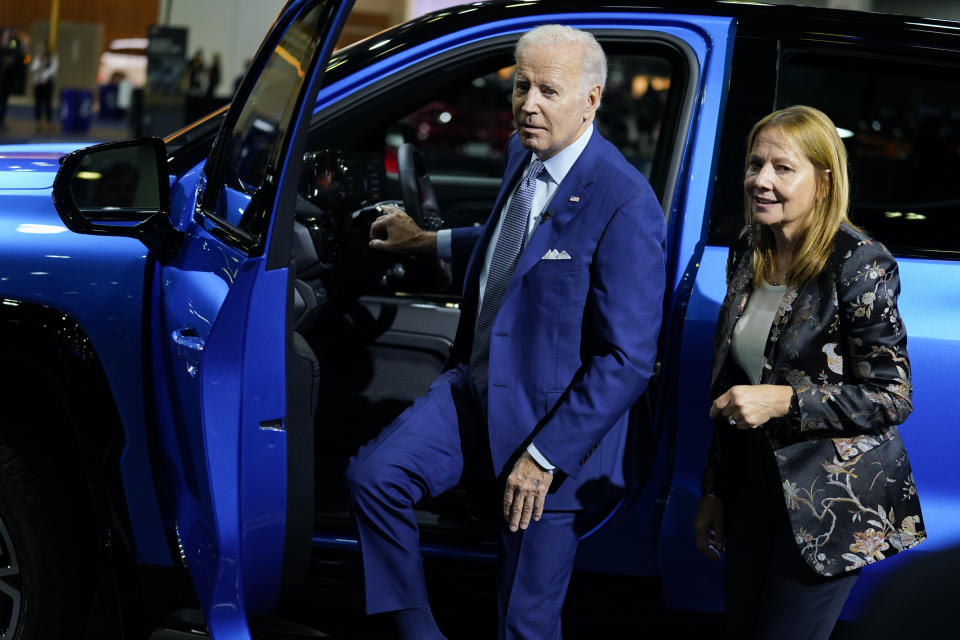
(419, 198)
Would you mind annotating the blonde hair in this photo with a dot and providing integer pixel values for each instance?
(815, 135)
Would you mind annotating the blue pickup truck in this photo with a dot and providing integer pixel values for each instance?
(195, 336)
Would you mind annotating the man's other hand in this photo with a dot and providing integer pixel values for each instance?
(396, 232)
(526, 492)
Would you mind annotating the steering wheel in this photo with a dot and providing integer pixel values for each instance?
(419, 199)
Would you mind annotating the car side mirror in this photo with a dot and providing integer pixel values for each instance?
(118, 189)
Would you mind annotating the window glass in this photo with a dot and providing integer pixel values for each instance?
(633, 108)
(260, 129)
(462, 131)
(753, 85)
(900, 123)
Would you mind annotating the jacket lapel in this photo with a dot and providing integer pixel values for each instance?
(739, 290)
(780, 322)
(559, 212)
(571, 197)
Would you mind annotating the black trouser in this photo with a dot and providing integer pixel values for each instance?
(769, 589)
(43, 98)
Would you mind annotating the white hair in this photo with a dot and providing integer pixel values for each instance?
(593, 63)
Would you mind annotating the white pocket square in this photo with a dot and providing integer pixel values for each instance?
(553, 254)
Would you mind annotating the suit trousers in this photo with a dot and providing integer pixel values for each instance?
(769, 590)
(423, 453)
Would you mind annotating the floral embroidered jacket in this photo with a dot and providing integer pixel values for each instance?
(840, 343)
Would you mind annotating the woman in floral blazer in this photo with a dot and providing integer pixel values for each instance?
(807, 479)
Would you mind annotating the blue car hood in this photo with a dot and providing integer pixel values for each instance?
(32, 166)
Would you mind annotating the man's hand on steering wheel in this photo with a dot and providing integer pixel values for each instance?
(396, 232)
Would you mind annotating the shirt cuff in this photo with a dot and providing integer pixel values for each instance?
(445, 245)
(540, 460)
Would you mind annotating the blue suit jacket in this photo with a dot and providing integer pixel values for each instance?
(574, 342)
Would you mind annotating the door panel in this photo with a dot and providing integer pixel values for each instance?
(690, 402)
(221, 338)
(931, 314)
(409, 355)
(242, 404)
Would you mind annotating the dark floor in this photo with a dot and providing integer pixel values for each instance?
(464, 603)
(19, 127)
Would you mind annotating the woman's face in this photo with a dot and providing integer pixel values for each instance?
(781, 183)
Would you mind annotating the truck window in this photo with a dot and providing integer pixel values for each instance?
(900, 122)
(256, 138)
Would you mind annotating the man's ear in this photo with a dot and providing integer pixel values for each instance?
(592, 101)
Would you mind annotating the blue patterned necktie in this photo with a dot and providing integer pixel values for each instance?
(505, 254)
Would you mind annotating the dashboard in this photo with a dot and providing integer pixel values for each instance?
(337, 202)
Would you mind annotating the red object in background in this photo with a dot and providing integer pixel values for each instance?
(390, 160)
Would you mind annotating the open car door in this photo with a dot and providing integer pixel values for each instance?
(235, 393)
(232, 385)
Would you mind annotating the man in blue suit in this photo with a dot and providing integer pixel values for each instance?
(557, 339)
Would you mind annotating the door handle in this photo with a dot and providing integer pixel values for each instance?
(188, 346)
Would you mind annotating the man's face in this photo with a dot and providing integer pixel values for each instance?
(551, 107)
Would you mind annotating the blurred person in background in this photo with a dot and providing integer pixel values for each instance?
(213, 75)
(43, 72)
(8, 58)
(196, 75)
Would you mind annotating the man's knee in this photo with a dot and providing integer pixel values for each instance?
(361, 476)
(382, 483)
(366, 468)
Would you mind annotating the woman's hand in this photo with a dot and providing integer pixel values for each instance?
(747, 406)
(708, 527)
